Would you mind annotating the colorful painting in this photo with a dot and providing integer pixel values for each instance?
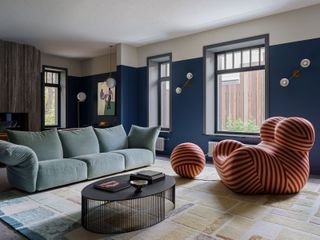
(106, 100)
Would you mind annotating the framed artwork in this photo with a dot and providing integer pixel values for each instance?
(106, 100)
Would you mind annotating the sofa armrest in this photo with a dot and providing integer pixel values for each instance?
(22, 165)
(143, 137)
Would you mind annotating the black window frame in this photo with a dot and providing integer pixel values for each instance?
(241, 69)
(154, 58)
(47, 69)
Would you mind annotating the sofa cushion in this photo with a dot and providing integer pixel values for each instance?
(113, 138)
(136, 157)
(79, 142)
(143, 137)
(45, 144)
(59, 172)
(101, 164)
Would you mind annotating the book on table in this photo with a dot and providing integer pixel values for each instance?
(149, 173)
(112, 186)
(150, 176)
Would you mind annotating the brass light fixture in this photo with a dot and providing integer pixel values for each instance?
(81, 96)
(110, 81)
(304, 63)
(189, 76)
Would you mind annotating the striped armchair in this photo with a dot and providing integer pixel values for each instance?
(279, 164)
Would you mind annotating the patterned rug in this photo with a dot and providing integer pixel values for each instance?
(205, 210)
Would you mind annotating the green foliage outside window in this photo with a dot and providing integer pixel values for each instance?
(240, 126)
(50, 103)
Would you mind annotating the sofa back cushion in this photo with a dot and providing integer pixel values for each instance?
(113, 138)
(45, 144)
(79, 142)
(143, 137)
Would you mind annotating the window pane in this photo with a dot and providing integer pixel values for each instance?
(255, 57)
(164, 70)
(165, 104)
(229, 61)
(241, 101)
(50, 106)
(262, 56)
(55, 77)
(220, 62)
(246, 58)
(237, 59)
(168, 69)
(230, 78)
(48, 77)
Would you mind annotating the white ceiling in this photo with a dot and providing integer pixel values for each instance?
(84, 28)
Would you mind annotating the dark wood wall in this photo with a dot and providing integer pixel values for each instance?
(20, 84)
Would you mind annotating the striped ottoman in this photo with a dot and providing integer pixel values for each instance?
(187, 160)
(279, 164)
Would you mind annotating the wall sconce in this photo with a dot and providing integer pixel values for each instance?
(185, 84)
(305, 63)
(81, 96)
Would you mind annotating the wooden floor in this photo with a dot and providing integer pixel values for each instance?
(5, 231)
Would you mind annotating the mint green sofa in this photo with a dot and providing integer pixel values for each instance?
(38, 161)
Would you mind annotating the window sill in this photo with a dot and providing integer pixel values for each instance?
(235, 135)
(165, 131)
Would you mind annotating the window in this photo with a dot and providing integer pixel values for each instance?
(159, 68)
(51, 98)
(54, 97)
(164, 95)
(238, 86)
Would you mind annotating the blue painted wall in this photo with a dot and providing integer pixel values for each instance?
(129, 96)
(89, 108)
(300, 98)
(73, 87)
(126, 94)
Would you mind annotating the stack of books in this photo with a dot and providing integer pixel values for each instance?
(112, 186)
(150, 176)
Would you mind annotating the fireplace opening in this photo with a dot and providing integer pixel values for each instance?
(13, 121)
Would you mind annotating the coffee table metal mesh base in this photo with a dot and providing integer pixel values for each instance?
(127, 215)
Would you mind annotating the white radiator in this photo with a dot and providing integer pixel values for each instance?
(160, 144)
(212, 145)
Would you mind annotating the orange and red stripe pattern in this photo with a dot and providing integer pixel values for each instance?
(279, 164)
(187, 160)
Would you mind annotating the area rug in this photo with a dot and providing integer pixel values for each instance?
(205, 210)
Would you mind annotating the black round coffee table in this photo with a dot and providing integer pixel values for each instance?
(126, 210)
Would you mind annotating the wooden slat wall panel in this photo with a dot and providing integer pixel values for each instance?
(3, 80)
(20, 81)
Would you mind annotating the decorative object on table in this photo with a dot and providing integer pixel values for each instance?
(125, 211)
(139, 184)
(189, 76)
(187, 160)
(304, 63)
(112, 186)
(279, 164)
(81, 96)
(150, 176)
(107, 92)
